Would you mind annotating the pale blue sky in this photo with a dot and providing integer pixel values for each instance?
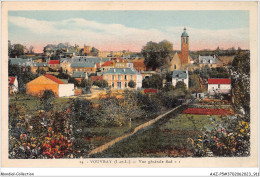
(160, 24)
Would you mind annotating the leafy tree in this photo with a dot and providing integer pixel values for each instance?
(47, 100)
(73, 81)
(30, 50)
(88, 85)
(17, 50)
(168, 87)
(94, 51)
(241, 81)
(155, 81)
(131, 84)
(24, 75)
(156, 54)
(181, 85)
(40, 71)
(168, 77)
(101, 83)
(194, 82)
(81, 112)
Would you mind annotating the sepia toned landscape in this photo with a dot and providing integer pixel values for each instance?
(113, 84)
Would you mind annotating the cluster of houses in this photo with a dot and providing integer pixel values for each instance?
(117, 71)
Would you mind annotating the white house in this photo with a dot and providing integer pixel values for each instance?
(66, 90)
(221, 86)
(13, 85)
(180, 75)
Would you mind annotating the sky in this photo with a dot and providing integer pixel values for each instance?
(129, 30)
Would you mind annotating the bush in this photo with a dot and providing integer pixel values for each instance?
(101, 83)
(168, 87)
(132, 84)
(155, 81)
(47, 99)
(181, 85)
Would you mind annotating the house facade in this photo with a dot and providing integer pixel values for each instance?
(83, 67)
(180, 75)
(122, 63)
(37, 86)
(207, 61)
(66, 66)
(175, 63)
(118, 78)
(35, 67)
(54, 64)
(24, 64)
(219, 86)
(79, 76)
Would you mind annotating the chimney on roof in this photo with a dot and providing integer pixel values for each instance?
(114, 70)
(124, 69)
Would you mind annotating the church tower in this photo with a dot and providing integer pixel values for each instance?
(185, 48)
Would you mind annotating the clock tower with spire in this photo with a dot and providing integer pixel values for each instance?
(184, 56)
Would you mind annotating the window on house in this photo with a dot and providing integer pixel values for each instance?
(107, 78)
(125, 77)
(182, 80)
(175, 66)
(125, 85)
(112, 85)
(131, 77)
(119, 77)
(113, 77)
(218, 85)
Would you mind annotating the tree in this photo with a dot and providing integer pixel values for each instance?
(132, 84)
(168, 87)
(155, 81)
(241, 81)
(31, 49)
(88, 85)
(168, 77)
(47, 100)
(101, 83)
(181, 85)
(194, 82)
(17, 50)
(156, 54)
(94, 51)
(23, 76)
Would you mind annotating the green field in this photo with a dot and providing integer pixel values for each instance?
(33, 103)
(165, 139)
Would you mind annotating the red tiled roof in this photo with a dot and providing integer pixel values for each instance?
(219, 81)
(150, 90)
(55, 79)
(11, 80)
(95, 78)
(108, 63)
(54, 62)
(139, 64)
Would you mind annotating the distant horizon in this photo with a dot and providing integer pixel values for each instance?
(129, 30)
